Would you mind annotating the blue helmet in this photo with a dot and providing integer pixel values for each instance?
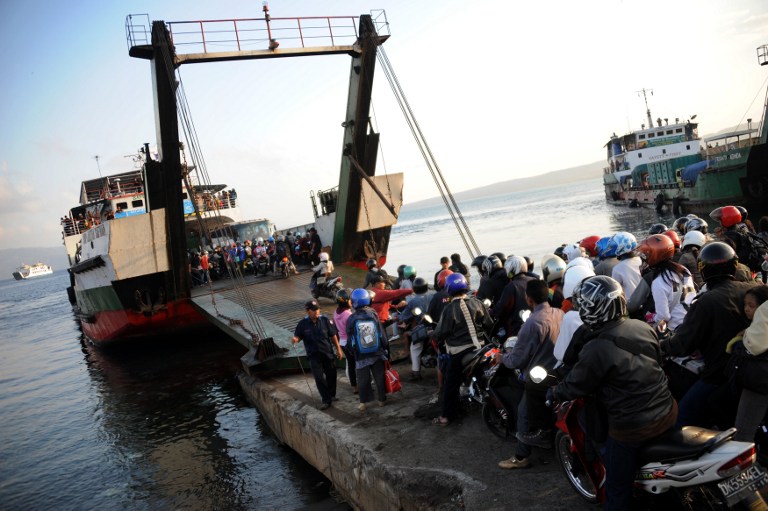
(360, 298)
(271, 239)
(625, 242)
(606, 247)
(456, 284)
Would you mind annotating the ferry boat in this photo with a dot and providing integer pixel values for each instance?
(27, 271)
(119, 253)
(667, 164)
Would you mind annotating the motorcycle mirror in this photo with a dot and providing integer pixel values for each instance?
(417, 311)
(538, 374)
(524, 315)
(510, 343)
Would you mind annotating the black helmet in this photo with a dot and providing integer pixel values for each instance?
(477, 262)
(420, 286)
(657, 229)
(500, 256)
(370, 263)
(559, 251)
(529, 261)
(716, 260)
(400, 270)
(679, 224)
(744, 213)
(342, 297)
(696, 224)
(601, 299)
(491, 263)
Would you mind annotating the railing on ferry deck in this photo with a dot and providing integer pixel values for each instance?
(226, 35)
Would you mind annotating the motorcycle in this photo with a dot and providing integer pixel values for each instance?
(327, 287)
(283, 267)
(262, 265)
(702, 468)
(504, 392)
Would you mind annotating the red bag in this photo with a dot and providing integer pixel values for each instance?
(391, 379)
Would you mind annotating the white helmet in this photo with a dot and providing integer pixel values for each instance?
(694, 238)
(573, 276)
(572, 251)
(260, 240)
(580, 261)
(514, 265)
(324, 256)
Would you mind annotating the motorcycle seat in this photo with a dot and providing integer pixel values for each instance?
(467, 358)
(690, 442)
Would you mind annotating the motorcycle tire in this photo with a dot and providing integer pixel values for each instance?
(495, 421)
(574, 470)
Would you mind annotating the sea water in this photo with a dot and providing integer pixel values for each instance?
(529, 223)
(166, 426)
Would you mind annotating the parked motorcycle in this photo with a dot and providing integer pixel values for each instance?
(705, 469)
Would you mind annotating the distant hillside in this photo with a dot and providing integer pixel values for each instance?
(12, 258)
(557, 177)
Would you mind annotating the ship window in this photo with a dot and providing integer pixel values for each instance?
(642, 136)
(137, 203)
(122, 205)
(184, 195)
(669, 132)
(663, 151)
(679, 130)
(688, 146)
(651, 135)
(639, 155)
(660, 134)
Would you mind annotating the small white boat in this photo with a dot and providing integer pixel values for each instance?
(27, 271)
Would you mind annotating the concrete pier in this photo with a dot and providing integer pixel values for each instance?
(394, 458)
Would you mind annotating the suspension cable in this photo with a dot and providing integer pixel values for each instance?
(198, 161)
(434, 169)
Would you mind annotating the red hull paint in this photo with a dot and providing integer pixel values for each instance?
(363, 265)
(118, 325)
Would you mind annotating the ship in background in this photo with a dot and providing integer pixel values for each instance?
(667, 164)
(129, 237)
(28, 271)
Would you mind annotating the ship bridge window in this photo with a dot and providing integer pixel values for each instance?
(122, 205)
(641, 137)
(659, 133)
(137, 203)
(669, 132)
(679, 130)
(651, 135)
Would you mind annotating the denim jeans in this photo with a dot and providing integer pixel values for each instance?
(620, 469)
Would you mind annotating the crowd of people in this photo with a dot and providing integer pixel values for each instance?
(218, 262)
(660, 333)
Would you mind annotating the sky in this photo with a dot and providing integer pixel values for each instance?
(501, 90)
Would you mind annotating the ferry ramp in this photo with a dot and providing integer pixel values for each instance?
(268, 305)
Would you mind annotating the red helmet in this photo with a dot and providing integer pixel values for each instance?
(672, 234)
(441, 278)
(589, 245)
(730, 216)
(657, 249)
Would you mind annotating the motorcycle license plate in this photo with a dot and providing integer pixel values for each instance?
(749, 480)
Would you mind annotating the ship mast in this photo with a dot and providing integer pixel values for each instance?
(647, 109)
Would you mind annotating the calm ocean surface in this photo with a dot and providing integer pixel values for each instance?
(168, 427)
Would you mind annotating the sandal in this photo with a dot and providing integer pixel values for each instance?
(440, 421)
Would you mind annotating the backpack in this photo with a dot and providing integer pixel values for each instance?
(749, 247)
(366, 336)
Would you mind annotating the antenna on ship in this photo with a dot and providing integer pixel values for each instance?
(97, 164)
(647, 109)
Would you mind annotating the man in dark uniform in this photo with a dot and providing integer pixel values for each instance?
(321, 342)
(314, 246)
